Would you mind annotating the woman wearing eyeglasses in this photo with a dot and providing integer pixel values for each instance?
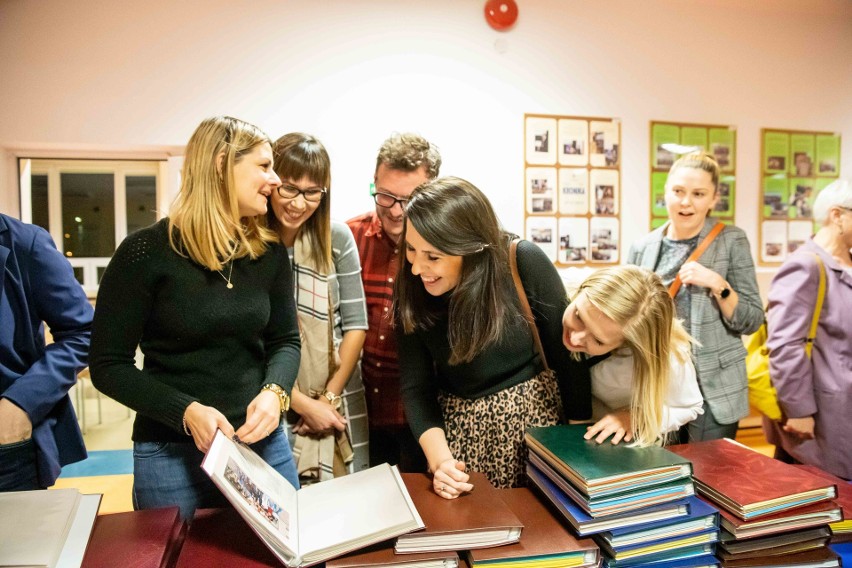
(329, 420)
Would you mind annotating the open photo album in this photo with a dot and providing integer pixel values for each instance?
(318, 522)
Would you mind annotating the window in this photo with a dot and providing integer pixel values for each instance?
(89, 206)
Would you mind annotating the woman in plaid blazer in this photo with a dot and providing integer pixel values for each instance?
(718, 301)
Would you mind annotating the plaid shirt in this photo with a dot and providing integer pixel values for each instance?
(380, 363)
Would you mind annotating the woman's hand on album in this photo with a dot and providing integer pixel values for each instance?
(450, 480)
(616, 424)
(318, 417)
(202, 422)
(262, 417)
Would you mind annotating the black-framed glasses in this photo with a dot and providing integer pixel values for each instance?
(312, 194)
(387, 200)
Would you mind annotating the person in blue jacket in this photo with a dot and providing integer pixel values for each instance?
(38, 427)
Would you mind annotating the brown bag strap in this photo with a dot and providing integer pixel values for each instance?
(525, 303)
(696, 254)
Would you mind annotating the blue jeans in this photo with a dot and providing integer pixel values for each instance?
(166, 474)
(18, 466)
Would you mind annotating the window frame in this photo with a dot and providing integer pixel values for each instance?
(158, 168)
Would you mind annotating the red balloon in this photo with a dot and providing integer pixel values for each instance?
(501, 14)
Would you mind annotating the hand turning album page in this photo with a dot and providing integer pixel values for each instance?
(318, 522)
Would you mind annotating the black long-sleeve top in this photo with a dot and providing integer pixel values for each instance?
(424, 354)
(201, 341)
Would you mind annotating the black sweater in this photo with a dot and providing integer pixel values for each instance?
(201, 340)
(424, 354)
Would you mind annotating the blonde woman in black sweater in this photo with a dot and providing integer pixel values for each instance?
(207, 295)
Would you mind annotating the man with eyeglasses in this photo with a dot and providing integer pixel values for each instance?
(404, 162)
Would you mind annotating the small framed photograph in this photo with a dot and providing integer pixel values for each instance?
(541, 145)
(542, 231)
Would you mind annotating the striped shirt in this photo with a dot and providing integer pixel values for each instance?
(344, 282)
(379, 364)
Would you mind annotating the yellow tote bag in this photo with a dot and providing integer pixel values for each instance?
(761, 393)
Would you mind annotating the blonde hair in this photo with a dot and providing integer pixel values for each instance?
(636, 300)
(298, 155)
(699, 161)
(205, 222)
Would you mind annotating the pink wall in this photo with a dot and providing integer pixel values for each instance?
(91, 76)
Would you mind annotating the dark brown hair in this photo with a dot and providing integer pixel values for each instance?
(456, 218)
(298, 155)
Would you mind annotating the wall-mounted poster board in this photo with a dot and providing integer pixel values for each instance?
(668, 139)
(795, 166)
(572, 188)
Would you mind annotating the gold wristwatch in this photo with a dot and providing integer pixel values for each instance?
(283, 398)
(333, 399)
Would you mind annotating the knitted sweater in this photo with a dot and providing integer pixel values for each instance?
(201, 341)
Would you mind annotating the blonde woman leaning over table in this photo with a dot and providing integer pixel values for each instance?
(621, 321)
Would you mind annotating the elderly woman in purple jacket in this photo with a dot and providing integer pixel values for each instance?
(815, 394)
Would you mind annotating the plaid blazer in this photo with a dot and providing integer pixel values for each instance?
(719, 356)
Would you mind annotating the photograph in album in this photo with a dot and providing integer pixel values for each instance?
(318, 522)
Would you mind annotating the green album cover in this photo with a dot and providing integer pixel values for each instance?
(600, 463)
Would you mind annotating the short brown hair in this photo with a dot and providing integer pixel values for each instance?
(408, 152)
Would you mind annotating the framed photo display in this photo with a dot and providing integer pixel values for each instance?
(795, 166)
(572, 188)
(671, 139)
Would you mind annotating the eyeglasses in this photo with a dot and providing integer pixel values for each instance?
(387, 200)
(312, 194)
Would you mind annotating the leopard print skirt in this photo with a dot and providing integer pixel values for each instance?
(487, 433)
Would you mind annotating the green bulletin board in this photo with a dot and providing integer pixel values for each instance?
(720, 141)
(795, 166)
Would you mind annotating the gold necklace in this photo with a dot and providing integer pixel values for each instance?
(230, 273)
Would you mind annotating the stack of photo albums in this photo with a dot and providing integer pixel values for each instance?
(772, 513)
(638, 504)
